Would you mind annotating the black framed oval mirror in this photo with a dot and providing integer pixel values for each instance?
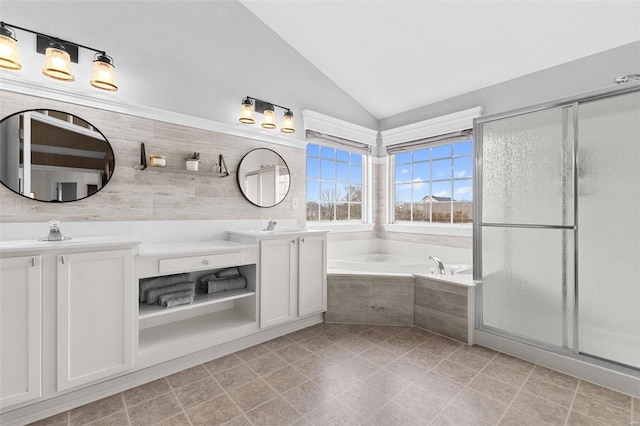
(263, 177)
(55, 156)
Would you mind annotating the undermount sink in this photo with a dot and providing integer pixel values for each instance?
(275, 231)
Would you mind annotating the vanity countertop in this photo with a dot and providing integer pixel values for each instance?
(276, 233)
(34, 246)
(214, 246)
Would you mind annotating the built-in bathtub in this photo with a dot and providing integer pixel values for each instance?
(383, 288)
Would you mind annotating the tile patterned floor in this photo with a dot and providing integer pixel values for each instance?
(345, 374)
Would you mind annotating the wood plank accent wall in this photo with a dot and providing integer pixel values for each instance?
(150, 195)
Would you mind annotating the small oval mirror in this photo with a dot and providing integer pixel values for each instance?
(263, 177)
(50, 155)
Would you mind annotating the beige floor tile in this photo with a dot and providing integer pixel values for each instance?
(394, 415)
(252, 352)
(155, 410)
(239, 421)
(188, 376)
(479, 351)
(398, 346)
(387, 383)
(406, 369)
(117, 419)
(315, 343)
(321, 327)
(312, 365)
(505, 360)
(293, 353)
(480, 405)
(96, 410)
(423, 358)
(515, 417)
(352, 328)
(440, 346)
(307, 397)
(215, 411)
(335, 353)
(440, 386)
(540, 408)
(425, 334)
(198, 392)
(423, 404)
(505, 374)
(416, 335)
(468, 359)
(455, 371)
(278, 343)
(249, 396)
(146, 392)
(454, 416)
(235, 377)
(335, 381)
(284, 379)
(359, 367)
(603, 394)
(335, 334)
(223, 363)
(275, 412)
(577, 419)
(334, 413)
(374, 336)
(493, 388)
(548, 390)
(378, 356)
(363, 399)
(599, 410)
(61, 419)
(179, 420)
(266, 364)
(355, 344)
(555, 377)
(305, 333)
(388, 330)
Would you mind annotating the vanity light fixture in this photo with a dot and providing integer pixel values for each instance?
(58, 57)
(252, 105)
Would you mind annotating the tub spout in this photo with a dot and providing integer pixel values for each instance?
(439, 264)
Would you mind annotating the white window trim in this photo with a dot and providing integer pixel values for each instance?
(450, 229)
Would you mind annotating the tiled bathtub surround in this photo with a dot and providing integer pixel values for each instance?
(431, 304)
(346, 374)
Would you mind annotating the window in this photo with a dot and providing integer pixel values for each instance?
(434, 184)
(334, 184)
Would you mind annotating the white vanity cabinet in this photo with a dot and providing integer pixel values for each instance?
(20, 329)
(293, 273)
(95, 316)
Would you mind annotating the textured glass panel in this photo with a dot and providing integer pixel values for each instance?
(527, 168)
(523, 271)
(609, 228)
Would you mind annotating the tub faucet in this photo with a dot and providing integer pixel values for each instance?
(271, 225)
(439, 264)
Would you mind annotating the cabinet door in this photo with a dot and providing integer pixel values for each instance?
(277, 281)
(20, 329)
(312, 281)
(95, 316)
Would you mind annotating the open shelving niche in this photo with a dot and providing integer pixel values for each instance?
(166, 333)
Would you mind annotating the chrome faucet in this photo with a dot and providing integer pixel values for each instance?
(271, 225)
(54, 232)
(439, 264)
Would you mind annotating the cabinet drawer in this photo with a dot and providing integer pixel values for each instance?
(191, 263)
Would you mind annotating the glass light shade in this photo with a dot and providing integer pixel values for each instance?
(247, 113)
(103, 76)
(287, 123)
(57, 64)
(9, 53)
(269, 119)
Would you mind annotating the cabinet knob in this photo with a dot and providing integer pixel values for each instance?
(62, 259)
(293, 241)
(302, 240)
(205, 262)
(33, 261)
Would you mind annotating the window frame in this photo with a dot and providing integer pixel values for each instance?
(444, 228)
(365, 202)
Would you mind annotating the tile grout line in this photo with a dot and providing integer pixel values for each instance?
(575, 394)
(173, 391)
(126, 409)
(509, 406)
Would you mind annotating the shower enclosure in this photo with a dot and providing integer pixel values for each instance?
(557, 234)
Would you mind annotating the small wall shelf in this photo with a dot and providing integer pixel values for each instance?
(224, 172)
(147, 311)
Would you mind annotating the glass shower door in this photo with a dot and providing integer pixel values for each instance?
(526, 231)
(609, 228)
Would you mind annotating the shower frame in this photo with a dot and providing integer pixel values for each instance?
(478, 225)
